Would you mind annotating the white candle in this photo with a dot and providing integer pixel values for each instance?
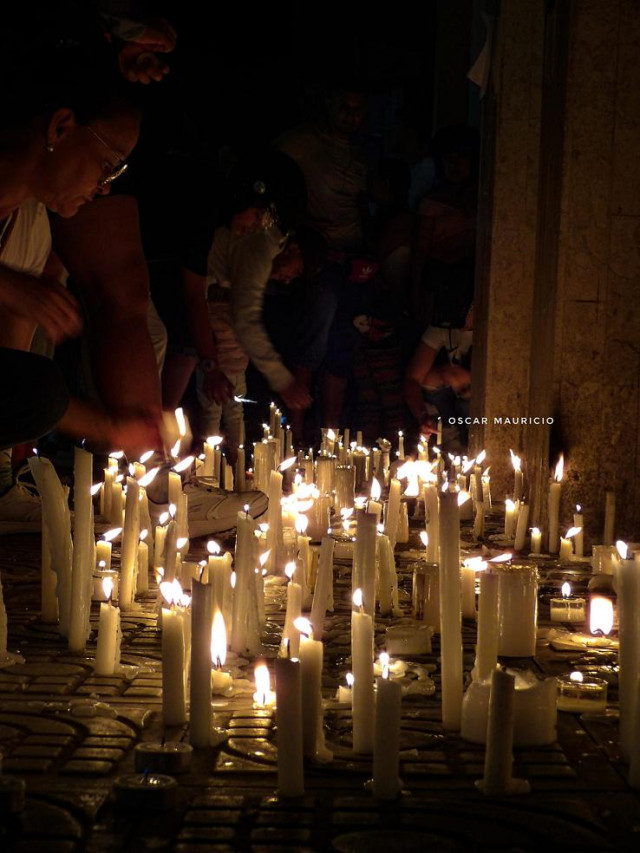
(109, 636)
(221, 681)
(385, 580)
(83, 551)
(103, 554)
(130, 539)
(200, 685)
(499, 753)
(517, 610)
(116, 502)
(362, 665)
(450, 613)
(142, 575)
(392, 515)
(241, 467)
(324, 584)
(487, 647)
(242, 599)
(431, 521)
(521, 528)
(578, 521)
(478, 524)
(509, 518)
(554, 507)
(293, 612)
(468, 588)
(173, 669)
(274, 518)
(311, 657)
(289, 721)
(536, 540)
(364, 559)
(627, 574)
(386, 749)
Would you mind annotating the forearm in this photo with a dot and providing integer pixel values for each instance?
(86, 420)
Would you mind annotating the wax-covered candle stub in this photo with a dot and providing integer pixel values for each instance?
(408, 639)
(582, 694)
(569, 608)
(517, 610)
(145, 792)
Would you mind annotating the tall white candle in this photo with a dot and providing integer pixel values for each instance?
(311, 657)
(200, 686)
(109, 636)
(241, 468)
(431, 512)
(536, 540)
(521, 528)
(468, 588)
(244, 566)
(487, 647)
(362, 666)
(173, 670)
(554, 507)
(578, 539)
(385, 580)
(293, 612)
(289, 722)
(83, 551)
(130, 537)
(628, 587)
(324, 583)
(364, 559)
(450, 613)
(499, 753)
(274, 518)
(386, 749)
(392, 515)
(517, 610)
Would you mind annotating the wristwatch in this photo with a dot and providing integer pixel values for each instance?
(207, 364)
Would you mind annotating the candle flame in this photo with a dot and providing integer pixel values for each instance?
(559, 469)
(535, 531)
(576, 676)
(578, 508)
(501, 558)
(303, 625)
(95, 489)
(172, 510)
(349, 679)
(474, 563)
(305, 506)
(171, 591)
(116, 454)
(149, 477)
(290, 570)
(601, 615)
(132, 469)
(263, 527)
(262, 559)
(566, 589)
(424, 537)
(182, 541)
(107, 588)
(110, 535)
(509, 505)
(381, 528)
(263, 680)
(143, 534)
(146, 456)
(331, 435)
(284, 466)
(164, 517)
(214, 440)
(481, 457)
(182, 466)
(301, 523)
(233, 580)
(622, 549)
(463, 497)
(218, 639)
(213, 547)
(376, 490)
(468, 465)
(571, 532)
(182, 422)
(515, 461)
(175, 450)
(357, 597)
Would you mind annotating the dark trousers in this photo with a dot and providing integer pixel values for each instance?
(33, 398)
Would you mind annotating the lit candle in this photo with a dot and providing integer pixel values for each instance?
(627, 574)
(536, 540)
(554, 506)
(243, 633)
(303, 568)
(578, 521)
(580, 695)
(509, 518)
(374, 506)
(130, 537)
(362, 665)
(468, 588)
(568, 608)
(289, 727)
(142, 574)
(221, 682)
(344, 694)
(264, 696)
(241, 467)
(274, 518)
(200, 684)
(386, 748)
(364, 559)
(174, 712)
(109, 635)
(323, 588)
(518, 485)
(293, 612)
(385, 580)
(566, 545)
(401, 453)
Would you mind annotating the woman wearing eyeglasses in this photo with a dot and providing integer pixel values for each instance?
(64, 137)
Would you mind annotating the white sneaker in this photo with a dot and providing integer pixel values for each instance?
(213, 510)
(20, 511)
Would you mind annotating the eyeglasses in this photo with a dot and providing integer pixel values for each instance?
(113, 172)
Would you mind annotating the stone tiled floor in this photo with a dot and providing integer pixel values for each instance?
(70, 735)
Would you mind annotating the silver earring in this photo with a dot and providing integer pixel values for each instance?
(49, 147)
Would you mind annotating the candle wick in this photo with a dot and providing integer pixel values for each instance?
(218, 663)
